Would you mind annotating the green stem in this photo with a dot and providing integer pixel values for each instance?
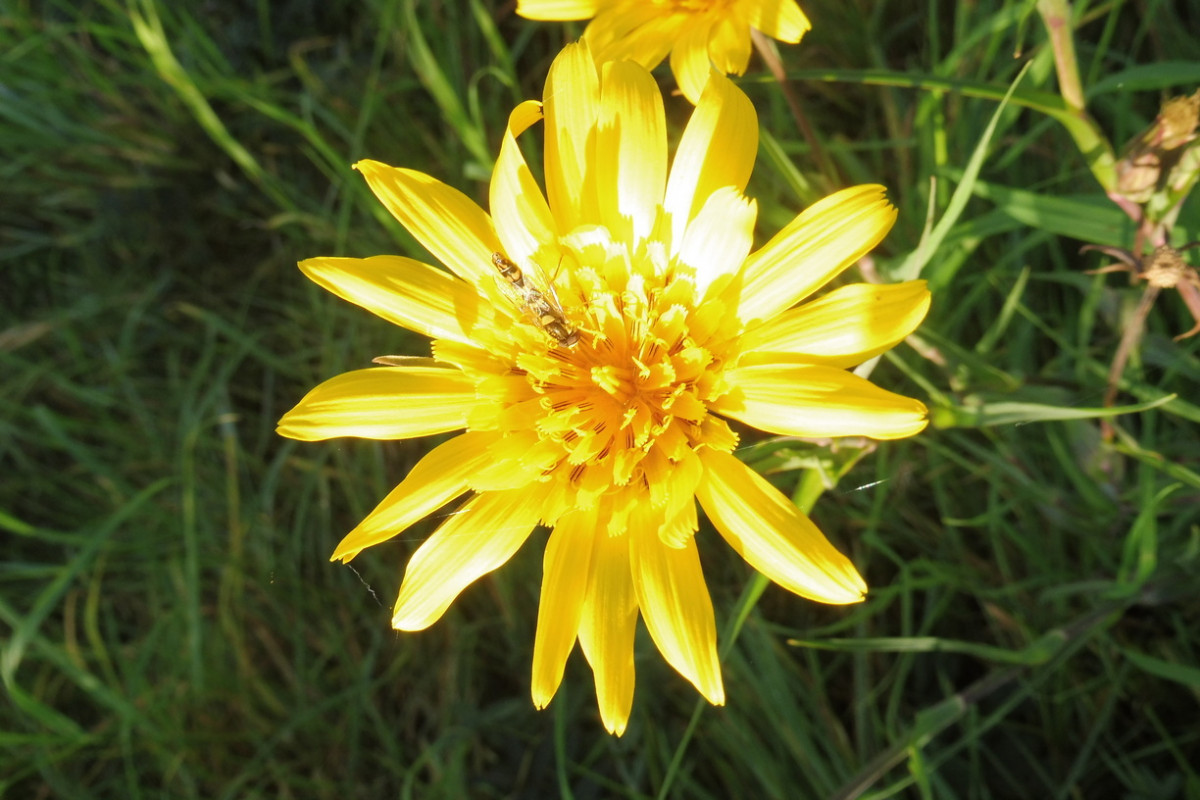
(1057, 16)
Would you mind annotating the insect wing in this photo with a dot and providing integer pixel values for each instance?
(543, 309)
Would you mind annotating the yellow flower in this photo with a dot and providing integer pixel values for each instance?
(590, 342)
(693, 32)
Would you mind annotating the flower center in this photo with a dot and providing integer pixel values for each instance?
(630, 397)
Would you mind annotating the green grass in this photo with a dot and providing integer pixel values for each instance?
(172, 627)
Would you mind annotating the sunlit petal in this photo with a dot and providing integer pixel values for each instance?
(729, 45)
(445, 221)
(717, 241)
(606, 630)
(779, 19)
(480, 537)
(638, 31)
(405, 292)
(717, 150)
(631, 149)
(442, 475)
(772, 535)
(818, 402)
(829, 236)
(689, 59)
(519, 211)
(843, 328)
(566, 573)
(558, 9)
(383, 403)
(677, 608)
(571, 137)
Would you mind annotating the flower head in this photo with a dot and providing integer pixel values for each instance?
(693, 32)
(591, 343)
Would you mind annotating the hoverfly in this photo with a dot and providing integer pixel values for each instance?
(543, 309)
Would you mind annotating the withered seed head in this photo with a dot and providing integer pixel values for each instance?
(1165, 268)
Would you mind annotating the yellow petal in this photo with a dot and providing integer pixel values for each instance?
(631, 150)
(676, 606)
(772, 535)
(566, 572)
(689, 58)
(572, 105)
(719, 238)
(633, 30)
(672, 484)
(512, 467)
(816, 402)
(442, 475)
(557, 9)
(478, 538)
(843, 328)
(445, 221)
(717, 150)
(519, 211)
(729, 45)
(606, 630)
(779, 19)
(404, 292)
(382, 403)
(814, 249)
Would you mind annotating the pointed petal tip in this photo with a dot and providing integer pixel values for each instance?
(370, 168)
(849, 598)
(871, 193)
(813, 249)
(615, 727)
(288, 430)
(402, 620)
(714, 692)
(344, 555)
(845, 588)
(845, 585)
(767, 530)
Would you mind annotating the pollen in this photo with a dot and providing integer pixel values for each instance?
(627, 402)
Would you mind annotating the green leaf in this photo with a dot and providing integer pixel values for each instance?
(1179, 673)
(919, 258)
(1149, 77)
(984, 414)
(1090, 218)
